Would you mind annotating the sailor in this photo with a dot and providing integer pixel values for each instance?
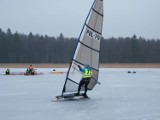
(30, 69)
(87, 74)
(7, 72)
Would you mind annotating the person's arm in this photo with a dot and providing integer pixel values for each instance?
(79, 67)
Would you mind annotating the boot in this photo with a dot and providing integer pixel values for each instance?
(85, 95)
(76, 94)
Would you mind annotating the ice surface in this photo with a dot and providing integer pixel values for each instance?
(121, 96)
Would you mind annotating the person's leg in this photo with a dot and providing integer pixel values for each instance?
(80, 85)
(85, 92)
(86, 87)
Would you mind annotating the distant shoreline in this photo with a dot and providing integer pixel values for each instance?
(108, 65)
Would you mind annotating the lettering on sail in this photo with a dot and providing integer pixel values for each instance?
(93, 35)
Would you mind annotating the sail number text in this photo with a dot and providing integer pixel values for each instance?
(93, 35)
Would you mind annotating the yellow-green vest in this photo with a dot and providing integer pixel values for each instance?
(87, 73)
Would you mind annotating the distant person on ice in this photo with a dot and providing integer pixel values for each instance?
(7, 72)
(87, 74)
(30, 70)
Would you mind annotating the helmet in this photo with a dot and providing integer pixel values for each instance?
(86, 65)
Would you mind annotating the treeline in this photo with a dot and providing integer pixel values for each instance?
(21, 48)
(130, 50)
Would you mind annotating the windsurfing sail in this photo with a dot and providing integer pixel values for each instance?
(87, 50)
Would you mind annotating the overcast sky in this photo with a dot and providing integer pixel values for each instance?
(122, 18)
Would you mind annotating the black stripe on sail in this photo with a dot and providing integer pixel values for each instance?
(72, 80)
(82, 64)
(77, 62)
(97, 12)
(93, 29)
(89, 47)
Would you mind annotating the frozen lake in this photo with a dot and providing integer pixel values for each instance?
(121, 96)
